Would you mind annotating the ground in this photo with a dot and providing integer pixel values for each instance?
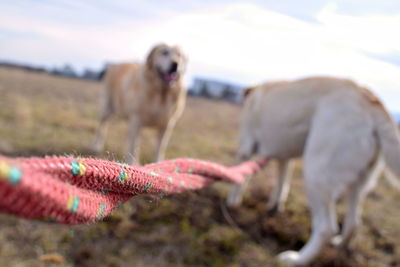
(43, 115)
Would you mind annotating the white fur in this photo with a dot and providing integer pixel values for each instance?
(340, 129)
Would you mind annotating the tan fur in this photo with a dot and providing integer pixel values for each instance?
(148, 95)
(340, 129)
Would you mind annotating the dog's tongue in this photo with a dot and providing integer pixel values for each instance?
(170, 77)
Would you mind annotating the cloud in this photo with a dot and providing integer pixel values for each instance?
(241, 42)
(371, 33)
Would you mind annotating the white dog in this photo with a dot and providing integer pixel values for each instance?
(344, 134)
(148, 95)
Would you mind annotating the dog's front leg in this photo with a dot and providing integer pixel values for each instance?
(164, 134)
(100, 136)
(105, 115)
(281, 191)
(235, 197)
(132, 155)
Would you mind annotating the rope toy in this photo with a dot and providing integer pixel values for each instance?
(70, 190)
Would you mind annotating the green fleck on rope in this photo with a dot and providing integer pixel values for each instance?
(73, 204)
(191, 170)
(182, 183)
(101, 210)
(122, 177)
(14, 175)
(78, 168)
(170, 180)
(147, 187)
(154, 174)
(11, 173)
(177, 169)
(75, 168)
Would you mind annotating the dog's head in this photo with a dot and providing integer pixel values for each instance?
(168, 62)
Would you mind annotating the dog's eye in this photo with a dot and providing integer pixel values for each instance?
(165, 53)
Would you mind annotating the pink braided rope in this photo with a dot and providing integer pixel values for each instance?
(81, 190)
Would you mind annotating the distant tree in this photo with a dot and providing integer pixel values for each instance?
(228, 93)
(204, 91)
(92, 75)
(68, 71)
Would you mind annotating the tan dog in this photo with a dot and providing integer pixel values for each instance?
(344, 134)
(148, 95)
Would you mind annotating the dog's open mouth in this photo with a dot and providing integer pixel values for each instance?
(170, 77)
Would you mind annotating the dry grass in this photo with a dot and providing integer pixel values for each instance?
(41, 114)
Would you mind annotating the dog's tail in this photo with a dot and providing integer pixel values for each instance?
(388, 138)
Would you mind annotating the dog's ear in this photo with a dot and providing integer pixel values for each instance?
(185, 61)
(248, 90)
(183, 56)
(150, 57)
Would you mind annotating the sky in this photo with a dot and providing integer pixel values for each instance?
(244, 42)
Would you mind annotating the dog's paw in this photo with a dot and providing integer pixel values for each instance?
(290, 257)
(337, 241)
(233, 201)
(341, 243)
(273, 209)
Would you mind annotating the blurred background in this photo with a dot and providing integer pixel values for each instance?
(242, 42)
(51, 54)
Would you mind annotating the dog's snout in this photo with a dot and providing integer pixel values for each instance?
(173, 67)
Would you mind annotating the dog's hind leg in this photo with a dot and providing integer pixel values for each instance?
(324, 222)
(281, 191)
(355, 197)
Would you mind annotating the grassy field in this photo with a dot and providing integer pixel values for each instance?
(42, 115)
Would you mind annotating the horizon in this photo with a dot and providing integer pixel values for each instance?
(234, 41)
